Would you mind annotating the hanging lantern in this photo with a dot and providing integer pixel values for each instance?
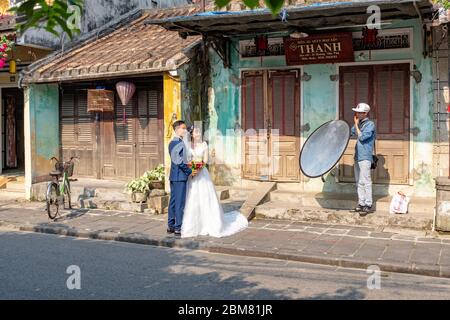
(369, 39)
(369, 36)
(125, 90)
(262, 44)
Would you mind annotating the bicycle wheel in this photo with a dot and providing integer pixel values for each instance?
(52, 200)
(67, 195)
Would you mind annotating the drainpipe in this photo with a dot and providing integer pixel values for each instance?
(422, 36)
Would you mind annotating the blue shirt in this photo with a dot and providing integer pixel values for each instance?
(366, 140)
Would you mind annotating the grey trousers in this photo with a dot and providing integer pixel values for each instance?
(364, 182)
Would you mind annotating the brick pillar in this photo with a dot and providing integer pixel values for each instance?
(443, 204)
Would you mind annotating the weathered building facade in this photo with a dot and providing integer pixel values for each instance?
(250, 93)
(117, 145)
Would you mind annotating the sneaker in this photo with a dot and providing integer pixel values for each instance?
(366, 210)
(359, 208)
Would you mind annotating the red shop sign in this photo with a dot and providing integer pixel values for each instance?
(324, 48)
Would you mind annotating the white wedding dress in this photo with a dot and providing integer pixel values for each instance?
(203, 213)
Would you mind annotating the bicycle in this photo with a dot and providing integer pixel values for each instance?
(57, 192)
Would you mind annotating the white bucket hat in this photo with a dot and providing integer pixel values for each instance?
(362, 107)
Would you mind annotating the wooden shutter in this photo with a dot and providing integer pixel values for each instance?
(284, 117)
(355, 86)
(392, 100)
(386, 88)
(68, 129)
(149, 130)
(253, 101)
(77, 131)
(124, 125)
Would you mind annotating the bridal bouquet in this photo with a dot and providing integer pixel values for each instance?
(196, 165)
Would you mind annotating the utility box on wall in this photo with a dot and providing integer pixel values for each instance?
(442, 204)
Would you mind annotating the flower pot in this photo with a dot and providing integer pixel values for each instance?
(139, 197)
(157, 184)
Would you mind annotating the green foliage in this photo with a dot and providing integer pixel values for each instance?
(143, 183)
(39, 13)
(274, 5)
(156, 174)
(444, 3)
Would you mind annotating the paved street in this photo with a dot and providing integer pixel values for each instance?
(33, 266)
(337, 245)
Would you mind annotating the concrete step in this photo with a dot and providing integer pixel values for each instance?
(9, 195)
(15, 186)
(381, 219)
(345, 201)
(97, 203)
(238, 193)
(223, 192)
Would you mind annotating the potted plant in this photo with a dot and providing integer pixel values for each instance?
(138, 189)
(155, 177)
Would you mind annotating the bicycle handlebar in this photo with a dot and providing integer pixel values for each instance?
(57, 160)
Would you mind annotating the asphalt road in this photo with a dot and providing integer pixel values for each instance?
(34, 266)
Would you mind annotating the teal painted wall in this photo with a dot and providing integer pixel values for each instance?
(319, 105)
(44, 127)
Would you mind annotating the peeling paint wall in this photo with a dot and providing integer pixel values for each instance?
(441, 102)
(41, 131)
(96, 14)
(319, 104)
(172, 112)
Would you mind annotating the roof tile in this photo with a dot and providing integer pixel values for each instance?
(132, 47)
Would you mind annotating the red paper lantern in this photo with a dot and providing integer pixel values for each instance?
(369, 36)
(262, 44)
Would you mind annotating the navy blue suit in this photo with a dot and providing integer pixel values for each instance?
(179, 174)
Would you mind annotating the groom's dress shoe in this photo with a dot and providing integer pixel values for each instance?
(169, 230)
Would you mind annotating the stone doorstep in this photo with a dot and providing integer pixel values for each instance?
(378, 219)
(345, 201)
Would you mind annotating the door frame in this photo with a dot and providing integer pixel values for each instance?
(411, 103)
(298, 68)
(2, 147)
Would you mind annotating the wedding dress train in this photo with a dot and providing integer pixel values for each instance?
(203, 213)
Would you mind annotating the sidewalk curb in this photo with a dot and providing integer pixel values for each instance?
(343, 262)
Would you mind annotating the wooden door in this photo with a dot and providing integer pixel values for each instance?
(284, 125)
(271, 121)
(386, 89)
(392, 103)
(149, 131)
(125, 140)
(107, 146)
(77, 132)
(254, 115)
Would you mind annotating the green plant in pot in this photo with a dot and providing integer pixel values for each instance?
(138, 189)
(155, 177)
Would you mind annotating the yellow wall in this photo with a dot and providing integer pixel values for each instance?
(172, 105)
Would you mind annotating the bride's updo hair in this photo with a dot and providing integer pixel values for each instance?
(191, 130)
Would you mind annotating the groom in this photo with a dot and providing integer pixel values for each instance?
(179, 174)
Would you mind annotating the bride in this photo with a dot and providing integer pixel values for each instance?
(203, 214)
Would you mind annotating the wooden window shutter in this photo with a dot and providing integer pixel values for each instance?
(283, 103)
(253, 101)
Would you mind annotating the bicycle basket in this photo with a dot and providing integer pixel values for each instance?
(65, 167)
